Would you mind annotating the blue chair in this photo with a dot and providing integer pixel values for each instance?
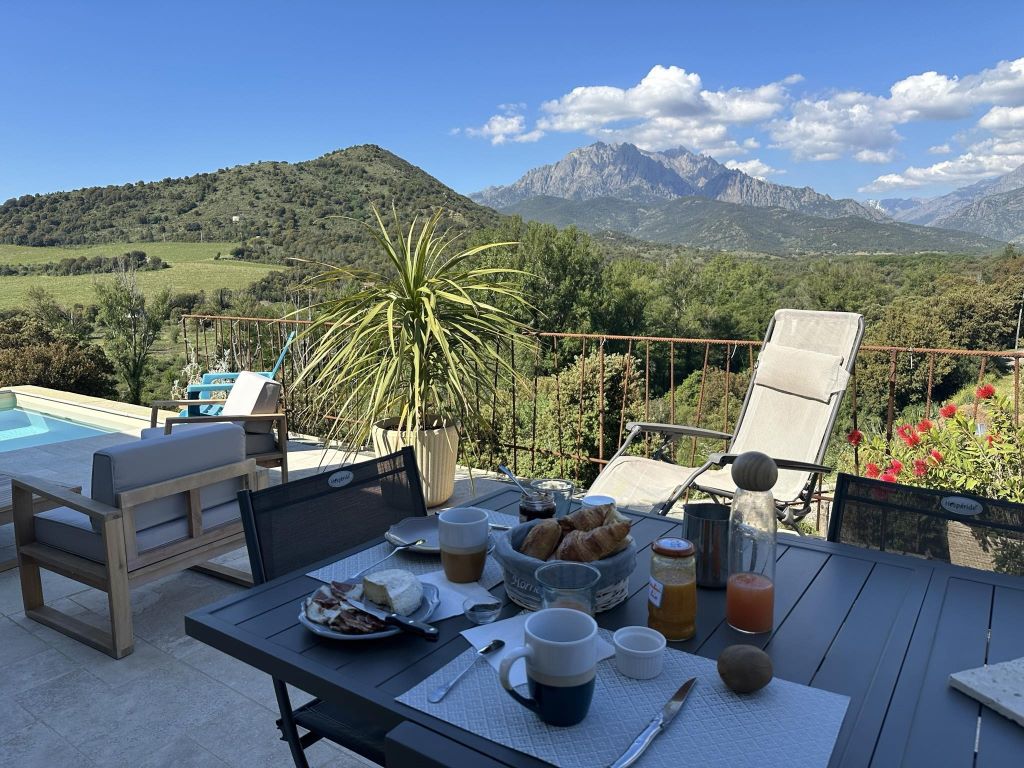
(223, 382)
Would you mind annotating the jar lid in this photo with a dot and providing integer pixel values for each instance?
(597, 500)
(670, 547)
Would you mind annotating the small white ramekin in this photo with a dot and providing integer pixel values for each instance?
(639, 652)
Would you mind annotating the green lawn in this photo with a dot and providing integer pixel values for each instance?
(193, 267)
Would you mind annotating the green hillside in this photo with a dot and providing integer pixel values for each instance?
(194, 266)
(277, 209)
(712, 224)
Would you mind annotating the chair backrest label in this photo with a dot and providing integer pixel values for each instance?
(340, 479)
(960, 505)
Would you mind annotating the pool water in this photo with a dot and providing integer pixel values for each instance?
(20, 428)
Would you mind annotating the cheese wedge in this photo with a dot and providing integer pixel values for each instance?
(397, 590)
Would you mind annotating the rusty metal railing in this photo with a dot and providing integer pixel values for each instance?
(567, 413)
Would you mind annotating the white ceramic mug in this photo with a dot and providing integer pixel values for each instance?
(462, 536)
(561, 665)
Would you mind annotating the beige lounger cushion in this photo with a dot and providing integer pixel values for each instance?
(801, 372)
(253, 394)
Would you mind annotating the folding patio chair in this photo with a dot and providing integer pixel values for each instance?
(789, 412)
(297, 524)
(214, 382)
(952, 526)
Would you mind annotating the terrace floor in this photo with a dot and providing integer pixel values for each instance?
(174, 701)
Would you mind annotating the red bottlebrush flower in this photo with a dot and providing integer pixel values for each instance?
(887, 477)
(924, 425)
(895, 467)
(937, 456)
(920, 467)
(947, 411)
(991, 438)
(855, 437)
(908, 435)
(872, 470)
(985, 391)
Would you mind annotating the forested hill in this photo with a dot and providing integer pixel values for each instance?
(698, 222)
(278, 209)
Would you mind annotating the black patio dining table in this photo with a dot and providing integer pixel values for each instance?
(884, 629)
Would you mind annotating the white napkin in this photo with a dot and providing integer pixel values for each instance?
(453, 595)
(511, 631)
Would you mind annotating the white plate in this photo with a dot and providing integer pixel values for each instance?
(431, 599)
(412, 528)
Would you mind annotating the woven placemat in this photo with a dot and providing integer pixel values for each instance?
(715, 728)
(416, 563)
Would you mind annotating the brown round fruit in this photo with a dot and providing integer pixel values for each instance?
(744, 668)
(754, 471)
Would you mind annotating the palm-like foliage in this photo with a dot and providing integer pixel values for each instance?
(418, 342)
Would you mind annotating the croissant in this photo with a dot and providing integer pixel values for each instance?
(542, 540)
(587, 546)
(586, 518)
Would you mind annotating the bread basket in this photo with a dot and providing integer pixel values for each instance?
(522, 588)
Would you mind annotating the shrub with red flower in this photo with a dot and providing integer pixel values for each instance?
(954, 452)
(854, 437)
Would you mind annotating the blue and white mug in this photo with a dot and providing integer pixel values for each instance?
(561, 663)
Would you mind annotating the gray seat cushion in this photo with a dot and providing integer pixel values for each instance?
(253, 394)
(72, 531)
(255, 442)
(134, 465)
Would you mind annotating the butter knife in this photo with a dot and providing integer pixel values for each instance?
(404, 623)
(656, 726)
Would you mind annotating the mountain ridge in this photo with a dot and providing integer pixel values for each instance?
(626, 172)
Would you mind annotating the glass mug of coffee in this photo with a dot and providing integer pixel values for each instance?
(561, 663)
(462, 533)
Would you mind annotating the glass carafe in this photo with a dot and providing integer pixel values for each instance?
(750, 590)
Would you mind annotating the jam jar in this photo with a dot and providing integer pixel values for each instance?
(672, 599)
(536, 506)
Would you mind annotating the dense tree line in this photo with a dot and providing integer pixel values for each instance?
(84, 265)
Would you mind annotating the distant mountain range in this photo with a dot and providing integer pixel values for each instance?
(626, 172)
(993, 207)
(676, 196)
(731, 227)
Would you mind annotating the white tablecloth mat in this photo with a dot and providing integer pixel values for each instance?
(715, 728)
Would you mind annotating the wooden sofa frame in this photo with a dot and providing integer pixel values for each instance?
(279, 421)
(124, 565)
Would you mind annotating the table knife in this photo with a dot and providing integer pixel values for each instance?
(404, 623)
(656, 726)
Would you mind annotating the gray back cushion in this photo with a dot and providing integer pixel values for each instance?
(133, 465)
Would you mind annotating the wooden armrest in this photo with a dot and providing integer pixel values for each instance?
(680, 431)
(65, 497)
(721, 459)
(172, 420)
(184, 483)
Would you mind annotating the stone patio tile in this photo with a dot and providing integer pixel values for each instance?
(182, 752)
(237, 675)
(54, 586)
(31, 671)
(15, 718)
(17, 642)
(37, 746)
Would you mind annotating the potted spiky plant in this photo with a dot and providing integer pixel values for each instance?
(407, 355)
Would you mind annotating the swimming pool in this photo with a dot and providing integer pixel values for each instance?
(22, 428)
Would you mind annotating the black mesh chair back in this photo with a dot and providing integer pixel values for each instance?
(951, 526)
(295, 524)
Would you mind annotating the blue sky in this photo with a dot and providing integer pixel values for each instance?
(477, 93)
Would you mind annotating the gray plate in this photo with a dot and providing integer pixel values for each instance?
(431, 599)
(412, 528)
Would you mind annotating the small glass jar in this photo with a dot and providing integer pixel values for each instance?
(536, 506)
(672, 599)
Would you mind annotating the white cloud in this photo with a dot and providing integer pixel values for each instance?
(1004, 120)
(502, 128)
(668, 107)
(940, 149)
(755, 168)
(874, 156)
(864, 125)
(983, 160)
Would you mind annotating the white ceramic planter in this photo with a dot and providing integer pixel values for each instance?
(436, 451)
